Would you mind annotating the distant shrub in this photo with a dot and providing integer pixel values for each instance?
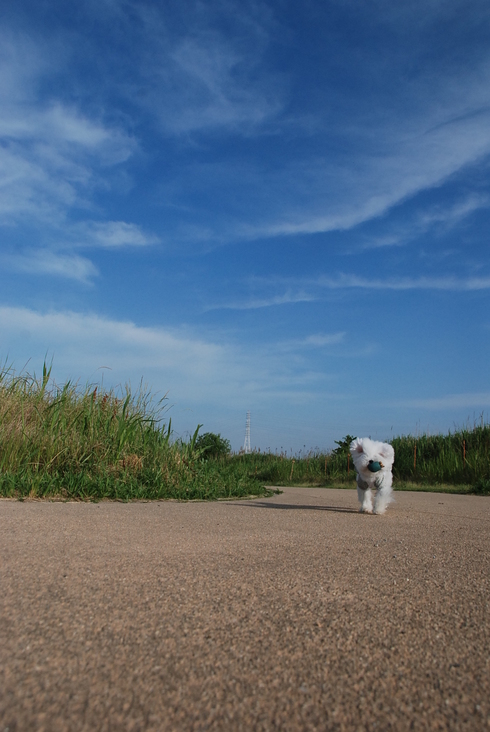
(210, 445)
(343, 445)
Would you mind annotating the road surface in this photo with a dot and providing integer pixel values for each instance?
(288, 613)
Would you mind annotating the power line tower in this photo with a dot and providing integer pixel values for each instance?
(246, 444)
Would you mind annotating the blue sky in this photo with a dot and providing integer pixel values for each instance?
(275, 206)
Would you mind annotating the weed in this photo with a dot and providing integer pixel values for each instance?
(482, 487)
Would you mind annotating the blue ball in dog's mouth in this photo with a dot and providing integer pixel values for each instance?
(374, 466)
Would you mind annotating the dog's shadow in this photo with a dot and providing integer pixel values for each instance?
(295, 506)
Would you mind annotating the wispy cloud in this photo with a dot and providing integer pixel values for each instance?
(53, 155)
(255, 303)
(353, 195)
(195, 369)
(440, 217)
(53, 159)
(207, 75)
(58, 256)
(319, 340)
(60, 126)
(316, 340)
(304, 290)
(219, 88)
(203, 78)
(110, 235)
(47, 262)
(448, 215)
(419, 146)
(449, 283)
(95, 341)
(305, 194)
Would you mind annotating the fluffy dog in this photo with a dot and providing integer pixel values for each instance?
(373, 462)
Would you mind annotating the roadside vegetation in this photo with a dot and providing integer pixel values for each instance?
(456, 462)
(91, 444)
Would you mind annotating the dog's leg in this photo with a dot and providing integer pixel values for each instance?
(365, 496)
(384, 495)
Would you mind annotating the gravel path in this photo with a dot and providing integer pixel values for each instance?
(288, 613)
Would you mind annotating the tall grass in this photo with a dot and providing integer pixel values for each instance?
(93, 443)
(459, 457)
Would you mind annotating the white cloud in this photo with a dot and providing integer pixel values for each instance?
(440, 130)
(217, 91)
(193, 369)
(52, 155)
(59, 126)
(448, 215)
(441, 216)
(85, 342)
(48, 262)
(202, 77)
(111, 235)
(305, 194)
(53, 158)
(266, 302)
(365, 190)
(323, 339)
(449, 283)
(28, 189)
(60, 259)
(309, 290)
(316, 340)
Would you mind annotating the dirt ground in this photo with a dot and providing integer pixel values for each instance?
(288, 613)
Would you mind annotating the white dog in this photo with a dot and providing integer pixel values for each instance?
(373, 462)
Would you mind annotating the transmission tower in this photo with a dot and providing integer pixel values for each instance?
(246, 444)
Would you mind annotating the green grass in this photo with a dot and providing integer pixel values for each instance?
(91, 444)
(94, 444)
(461, 457)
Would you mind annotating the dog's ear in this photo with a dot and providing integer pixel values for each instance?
(356, 446)
(387, 451)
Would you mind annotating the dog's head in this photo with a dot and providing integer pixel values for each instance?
(371, 455)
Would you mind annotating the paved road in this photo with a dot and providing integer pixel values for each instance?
(289, 613)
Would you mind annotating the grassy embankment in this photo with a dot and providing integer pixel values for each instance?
(94, 444)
